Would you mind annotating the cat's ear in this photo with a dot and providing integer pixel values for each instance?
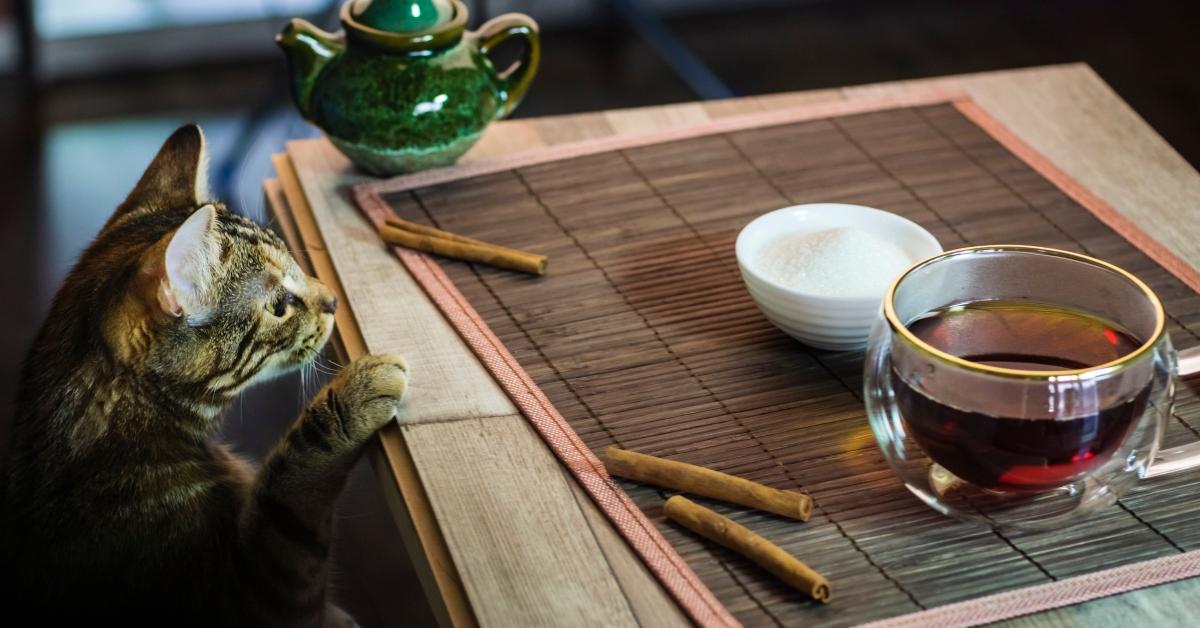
(177, 179)
(190, 265)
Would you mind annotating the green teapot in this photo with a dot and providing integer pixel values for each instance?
(404, 86)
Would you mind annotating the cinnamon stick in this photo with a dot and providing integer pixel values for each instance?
(417, 227)
(765, 554)
(706, 482)
(465, 249)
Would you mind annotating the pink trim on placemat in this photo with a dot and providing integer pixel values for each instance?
(1102, 210)
(1044, 597)
(666, 564)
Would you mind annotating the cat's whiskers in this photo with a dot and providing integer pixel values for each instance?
(305, 377)
(301, 395)
(314, 381)
(321, 368)
(329, 364)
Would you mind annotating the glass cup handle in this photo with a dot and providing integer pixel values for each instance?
(1187, 456)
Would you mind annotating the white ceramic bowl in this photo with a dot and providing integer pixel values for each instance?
(837, 323)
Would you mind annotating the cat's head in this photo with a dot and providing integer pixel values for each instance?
(211, 300)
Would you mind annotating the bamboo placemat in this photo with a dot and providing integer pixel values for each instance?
(643, 336)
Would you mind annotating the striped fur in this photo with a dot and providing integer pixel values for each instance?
(117, 504)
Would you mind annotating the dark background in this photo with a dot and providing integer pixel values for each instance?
(74, 138)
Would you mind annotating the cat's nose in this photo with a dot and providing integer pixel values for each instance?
(329, 304)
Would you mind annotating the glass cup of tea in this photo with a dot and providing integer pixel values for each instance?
(1019, 386)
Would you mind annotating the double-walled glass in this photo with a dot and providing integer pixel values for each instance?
(992, 444)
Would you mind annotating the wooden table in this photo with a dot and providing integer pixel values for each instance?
(501, 533)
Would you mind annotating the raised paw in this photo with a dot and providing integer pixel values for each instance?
(367, 394)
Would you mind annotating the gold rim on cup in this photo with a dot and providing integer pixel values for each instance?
(889, 311)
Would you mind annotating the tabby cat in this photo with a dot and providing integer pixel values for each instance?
(118, 505)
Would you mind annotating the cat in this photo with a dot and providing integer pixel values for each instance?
(118, 505)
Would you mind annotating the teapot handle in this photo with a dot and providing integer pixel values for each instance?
(516, 79)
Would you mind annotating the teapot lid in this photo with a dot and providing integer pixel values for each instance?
(405, 26)
(402, 16)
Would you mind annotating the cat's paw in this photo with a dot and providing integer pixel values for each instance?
(367, 394)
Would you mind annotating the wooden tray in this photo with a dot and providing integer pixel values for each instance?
(642, 335)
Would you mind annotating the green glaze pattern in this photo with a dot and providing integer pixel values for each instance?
(393, 106)
(386, 100)
(383, 161)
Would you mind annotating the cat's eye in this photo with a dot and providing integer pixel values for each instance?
(280, 307)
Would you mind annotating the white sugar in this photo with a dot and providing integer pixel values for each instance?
(833, 262)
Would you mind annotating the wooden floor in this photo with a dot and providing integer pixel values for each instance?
(70, 154)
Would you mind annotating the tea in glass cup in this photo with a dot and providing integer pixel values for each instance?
(1019, 386)
(1026, 452)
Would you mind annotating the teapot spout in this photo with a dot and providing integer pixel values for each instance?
(308, 49)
